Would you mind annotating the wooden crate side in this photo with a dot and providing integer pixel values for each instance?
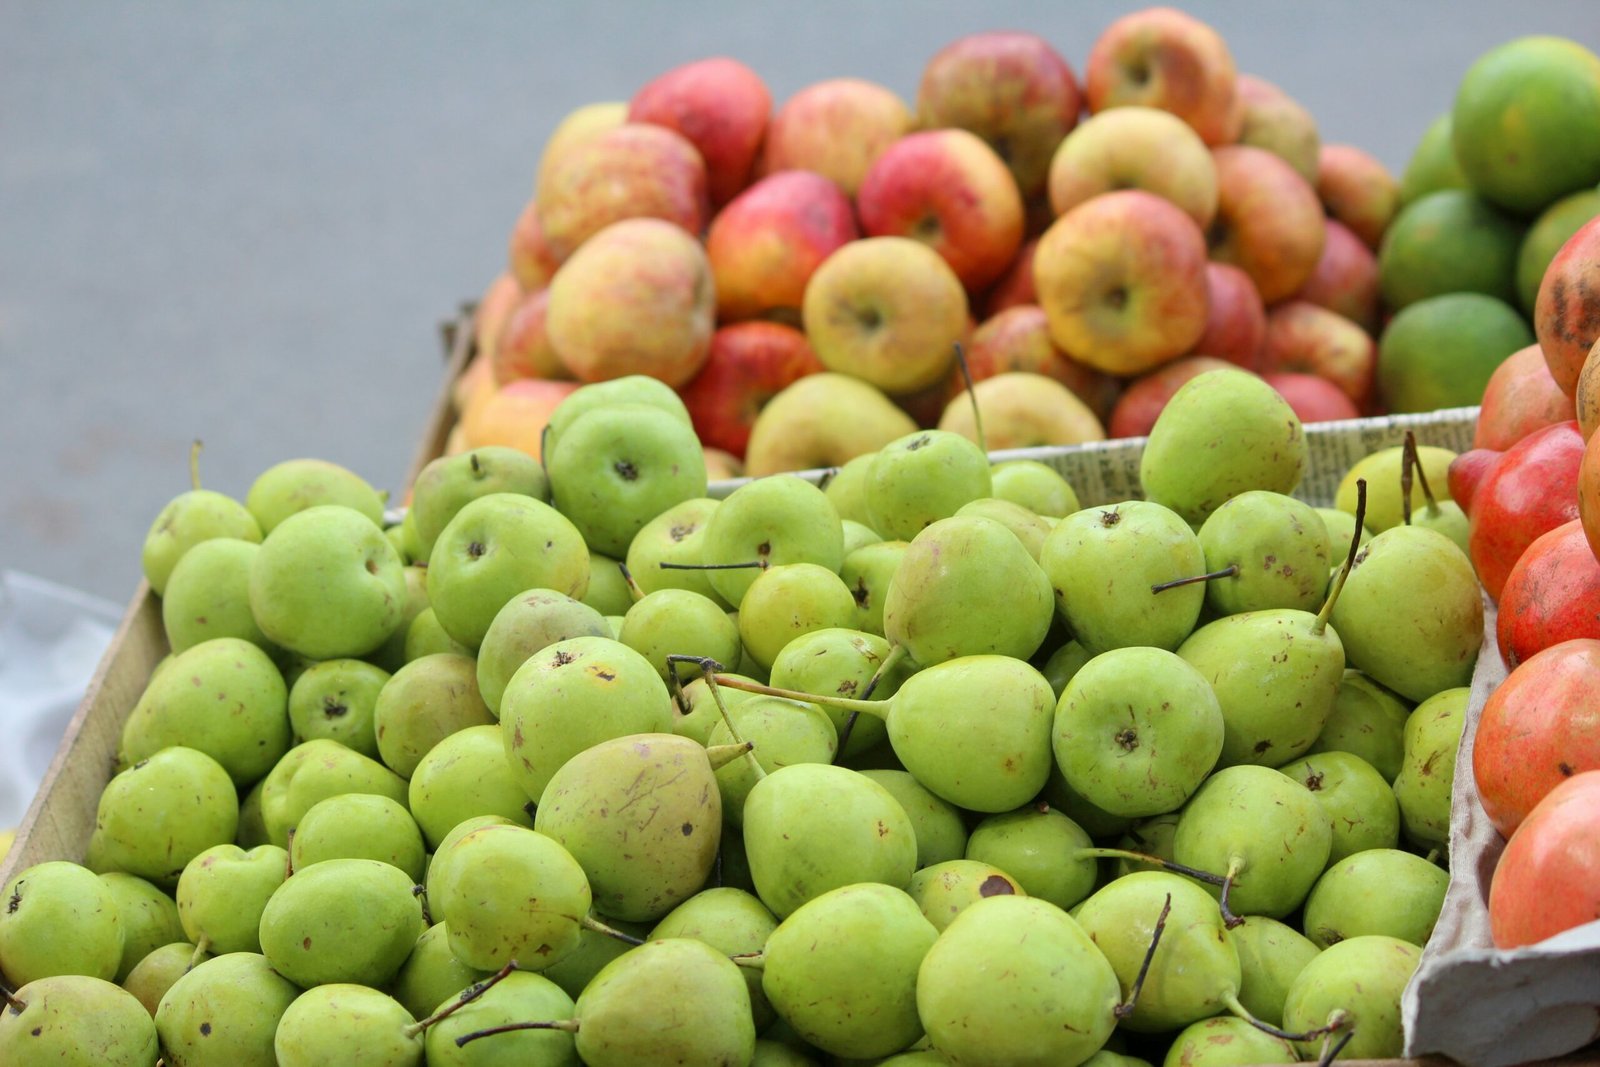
(61, 817)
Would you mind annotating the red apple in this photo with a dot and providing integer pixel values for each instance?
(1566, 315)
(1274, 120)
(1314, 399)
(532, 262)
(836, 128)
(1015, 286)
(525, 350)
(1520, 398)
(1122, 279)
(1161, 57)
(1313, 340)
(749, 363)
(1357, 190)
(1552, 595)
(1018, 339)
(1135, 148)
(1236, 324)
(1548, 878)
(1141, 402)
(948, 189)
(1011, 89)
(1269, 221)
(1519, 494)
(888, 310)
(636, 298)
(721, 106)
(636, 170)
(1346, 278)
(579, 125)
(1538, 728)
(766, 243)
(489, 318)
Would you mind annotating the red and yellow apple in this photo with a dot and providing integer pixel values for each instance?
(1135, 148)
(636, 170)
(532, 262)
(489, 318)
(766, 243)
(1022, 410)
(1305, 338)
(887, 310)
(1011, 89)
(1345, 278)
(1018, 339)
(1269, 221)
(721, 106)
(1015, 286)
(836, 128)
(1144, 398)
(636, 298)
(1161, 57)
(1274, 120)
(822, 420)
(514, 415)
(1357, 190)
(749, 363)
(525, 350)
(1122, 281)
(949, 190)
(580, 125)
(1236, 324)
(1313, 399)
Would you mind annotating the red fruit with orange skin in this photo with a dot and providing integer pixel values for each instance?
(1309, 339)
(722, 107)
(1357, 190)
(524, 350)
(1141, 402)
(768, 241)
(1589, 493)
(1236, 323)
(1015, 286)
(1314, 399)
(749, 364)
(1551, 596)
(1269, 221)
(1018, 339)
(1566, 314)
(1346, 278)
(1161, 57)
(1548, 878)
(1520, 398)
(1529, 489)
(948, 189)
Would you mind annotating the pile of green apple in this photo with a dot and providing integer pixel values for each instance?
(1495, 187)
(926, 765)
(1093, 243)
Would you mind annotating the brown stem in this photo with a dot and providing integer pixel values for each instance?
(468, 995)
(11, 999)
(1229, 919)
(633, 587)
(896, 654)
(288, 855)
(421, 893)
(712, 566)
(612, 932)
(1422, 476)
(1155, 861)
(569, 1025)
(1230, 571)
(972, 397)
(1126, 1008)
(1408, 460)
(1329, 1054)
(1349, 561)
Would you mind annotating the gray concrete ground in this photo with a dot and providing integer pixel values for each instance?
(243, 221)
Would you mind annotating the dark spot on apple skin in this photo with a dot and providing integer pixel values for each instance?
(1262, 746)
(372, 566)
(688, 828)
(16, 899)
(561, 659)
(306, 944)
(764, 549)
(36, 1031)
(606, 676)
(918, 443)
(678, 533)
(475, 549)
(1565, 769)
(996, 886)
(860, 593)
(205, 1029)
(626, 470)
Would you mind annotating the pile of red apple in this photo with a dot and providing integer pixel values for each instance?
(1532, 493)
(1106, 238)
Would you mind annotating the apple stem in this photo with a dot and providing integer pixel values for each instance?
(827, 476)
(200, 949)
(17, 1005)
(896, 654)
(421, 893)
(1349, 561)
(713, 566)
(720, 756)
(544, 436)
(876, 708)
(633, 587)
(569, 1025)
(1408, 456)
(288, 855)
(1229, 919)
(972, 397)
(468, 995)
(1230, 571)
(1126, 1008)
(675, 687)
(1422, 477)
(194, 462)
(1335, 1021)
(1144, 857)
(753, 960)
(1331, 1053)
(710, 670)
(591, 923)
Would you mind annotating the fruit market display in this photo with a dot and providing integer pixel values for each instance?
(923, 763)
(1091, 242)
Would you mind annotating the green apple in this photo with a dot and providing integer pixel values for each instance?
(449, 482)
(297, 484)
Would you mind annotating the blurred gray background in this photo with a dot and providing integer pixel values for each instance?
(244, 222)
